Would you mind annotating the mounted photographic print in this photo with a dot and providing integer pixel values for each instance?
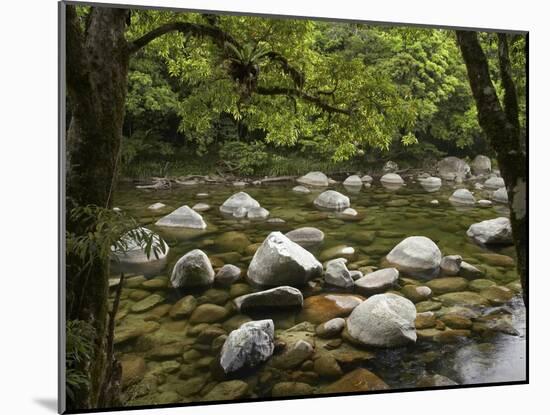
(261, 207)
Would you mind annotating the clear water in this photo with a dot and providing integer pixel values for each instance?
(390, 216)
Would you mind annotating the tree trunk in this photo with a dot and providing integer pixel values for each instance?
(501, 125)
(97, 69)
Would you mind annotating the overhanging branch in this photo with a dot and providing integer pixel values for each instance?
(306, 97)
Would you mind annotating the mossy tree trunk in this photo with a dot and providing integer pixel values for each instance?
(500, 122)
(97, 69)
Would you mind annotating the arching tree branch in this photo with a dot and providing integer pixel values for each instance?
(216, 34)
(306, 97)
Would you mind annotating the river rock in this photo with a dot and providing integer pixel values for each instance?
(333, 200)
(156, 206)
(366, 179)
(358, 380)
(349, 212)
(183, 307)
(469, 271)
(314, 178)
(229, 390)
(337, 274)
(301, 189)
(353, 181)
(463, 298)
(481, 165)
(201, 207)
(450, 264)
(462, 197)
(279, 297)
(416, 256)
(497, 295)
(377, 281)
(227, 275)
(494, 183)
(392, 178)
(500, 195)
(132, 256)
(306, 237)
(416, 293)
(182, 217)
(330, 328)
(430, 381)
(279, 261)
(232, 241)
(208, 313)
(484, 203)
(492, 231)
(337, 251)
(294, 355)
(238, 202)
(147, 303)
(383, 320)
(320, 308)
(447, 284)
(192, 270)
(285, 389)
(390, 167)
(248, 346)
(430, 184)
(453, 168)
(258, 213)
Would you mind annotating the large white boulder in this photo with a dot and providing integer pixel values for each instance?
(333, 200)
(492, 231)
(353, 181)
(481, 165)
(248, 346)
(182, 217)
(279, 261)
(239, 203)
(314, 178)
(462, 197)
(416, 256)
(192, 270)
(453, 168)
(391, 178)
(130, 255)
(384, 320)
(337, 274)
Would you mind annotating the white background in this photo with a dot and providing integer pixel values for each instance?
(28, 233)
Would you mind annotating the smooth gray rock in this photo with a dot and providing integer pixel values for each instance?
(484, 203)
(500, 195)
(201, 207)
(453, 168)
(349, 212)
(248, 346)
(355, 274)
(494, 183)
(366, 179)
(337, 273)
(278, 297)
(383, 320)
(241, 200)
(450, 264)
(301, 189)
(306, 237)
(132, 257)
(333, 200)
(481, 165)
(330, 328)
(462, 197)
(156, 206)
(377, 281)
(257, 213)
(392, 178)
(469, 271)
(416, 256)
(227, 275)
(314, 178)
(182, 217)
(430, 184)
(279, 261)
(192, 270)
(492, 231)
(353, 181)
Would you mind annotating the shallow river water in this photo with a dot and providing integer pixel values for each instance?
(169, 359)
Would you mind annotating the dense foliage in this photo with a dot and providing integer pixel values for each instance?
(360, 90)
